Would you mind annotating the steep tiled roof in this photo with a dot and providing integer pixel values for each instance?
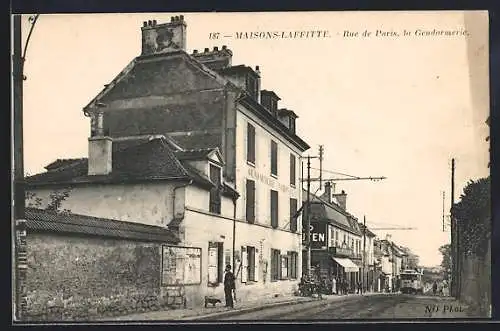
(50, 221)
(153, 160)
(198, 140)
(194, 154)
(368, 232)
(322, 211)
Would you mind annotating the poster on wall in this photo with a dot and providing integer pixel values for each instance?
(181, 265)
(213, 269)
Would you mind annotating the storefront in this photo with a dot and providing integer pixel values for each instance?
(345, 269)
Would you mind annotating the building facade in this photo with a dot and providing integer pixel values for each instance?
(207, 113)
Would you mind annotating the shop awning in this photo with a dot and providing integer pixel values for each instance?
(347, 264)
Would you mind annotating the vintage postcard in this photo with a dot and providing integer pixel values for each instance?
(278, 166)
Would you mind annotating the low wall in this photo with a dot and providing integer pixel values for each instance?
(81, 278)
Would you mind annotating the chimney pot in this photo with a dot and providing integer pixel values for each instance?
(177, 18)
(195, 51)
(150, 23)
(256, 68)
(216, 48)
(181, 17)
(224, 46)
(144, 23)
(154, 22)
(172, 19)
(207, 50)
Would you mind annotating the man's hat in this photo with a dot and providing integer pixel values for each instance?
(228, 266)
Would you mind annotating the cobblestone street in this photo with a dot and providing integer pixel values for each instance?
(377, 306)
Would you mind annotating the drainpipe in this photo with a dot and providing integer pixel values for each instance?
(234, 234)
(173, 200)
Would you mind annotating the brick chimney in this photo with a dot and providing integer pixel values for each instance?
(216, 58)
(100, 150)
(163, 38)
(341, 198)
(327, 195)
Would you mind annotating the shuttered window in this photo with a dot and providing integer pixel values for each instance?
(274, 209)
(293, 216)
(292, 170)
(215, 192)
(250, 201)
(275, 264)
(251, 143)
(215, 262)
(293, 257)
(251, 263)
(274, 158)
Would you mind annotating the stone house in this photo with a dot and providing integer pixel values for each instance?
(369, 238)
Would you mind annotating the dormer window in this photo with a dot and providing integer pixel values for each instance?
(216, 191)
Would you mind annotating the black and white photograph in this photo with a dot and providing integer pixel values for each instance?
(250, 167)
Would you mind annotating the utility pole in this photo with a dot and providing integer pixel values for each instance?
(320, 166)
(364, 254)
(308, 218)
(443, 212)
(18, 226)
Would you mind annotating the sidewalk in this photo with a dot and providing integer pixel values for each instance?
(221, 312)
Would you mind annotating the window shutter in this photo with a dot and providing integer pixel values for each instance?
(293, 212)
(292, 169)
(250, 201)
(250, 143)
(220, 261)
(244, 266)
(274, 158)
(274, 209)
(283, 267)
(257, 265)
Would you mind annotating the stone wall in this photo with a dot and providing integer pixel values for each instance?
(83, 278)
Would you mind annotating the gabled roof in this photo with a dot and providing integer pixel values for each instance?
(200, 154)
(41, 220)
(152, 160)
(321, 210)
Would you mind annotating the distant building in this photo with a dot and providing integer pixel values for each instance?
(369, 258)
(336, 246)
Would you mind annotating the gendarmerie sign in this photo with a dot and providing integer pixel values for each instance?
(318, 235)
(268, 180)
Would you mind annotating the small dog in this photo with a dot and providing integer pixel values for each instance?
(211, 300)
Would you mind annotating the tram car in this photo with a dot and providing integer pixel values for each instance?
(411, 282)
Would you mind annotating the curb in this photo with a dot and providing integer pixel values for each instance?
(236, 312)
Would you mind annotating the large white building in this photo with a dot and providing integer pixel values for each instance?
(209, 115)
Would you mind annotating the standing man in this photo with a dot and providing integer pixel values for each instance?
(229, 286)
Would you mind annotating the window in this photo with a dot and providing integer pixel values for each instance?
(284, 266)
(292, 270)
(274, 158)
(274, 209)
(336, 238)
(293, 216)
(251, 263)
(250, 201)
(291, 124)
(215, 263)
(275, 264)
(292, 169)
(274, 106)
(215, 193)
(251, 143)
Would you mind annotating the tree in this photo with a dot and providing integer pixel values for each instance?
(445, 251)
(473, 217)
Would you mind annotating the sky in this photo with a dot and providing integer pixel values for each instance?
(399, 107)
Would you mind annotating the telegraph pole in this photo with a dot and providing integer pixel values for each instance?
(364, 254)
(308, 218)
(320, 166)
(443, 212)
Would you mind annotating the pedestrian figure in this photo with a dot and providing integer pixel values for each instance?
(359, 288)
(434, 288)
(334, 285)
(229, 286)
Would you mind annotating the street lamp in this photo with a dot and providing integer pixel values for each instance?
(19, 225)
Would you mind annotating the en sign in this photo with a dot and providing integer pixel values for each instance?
(318, 234)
